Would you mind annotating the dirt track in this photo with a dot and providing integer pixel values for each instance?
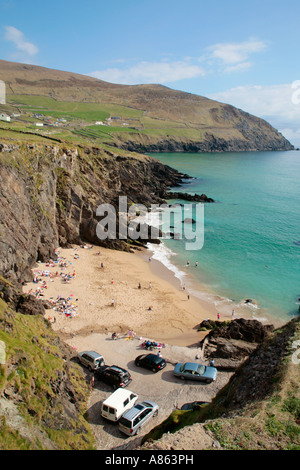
(162, 387)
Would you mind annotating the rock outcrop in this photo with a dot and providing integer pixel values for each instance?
(230, 343)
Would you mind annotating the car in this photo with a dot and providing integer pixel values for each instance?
(117, 404)
(91, 359)
(114, 375)
(194, 405)
(151, 361)
(195, 371)
(133, 419)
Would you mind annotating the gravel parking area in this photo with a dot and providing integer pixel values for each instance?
(161, 387)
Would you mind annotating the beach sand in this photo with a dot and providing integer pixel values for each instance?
(173, 317)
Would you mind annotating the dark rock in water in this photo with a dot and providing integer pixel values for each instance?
(175, 235)
(189, 197)
(297, 243)
(188, 220)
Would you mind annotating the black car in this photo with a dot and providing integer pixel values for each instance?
(151, 361)
(114, 375)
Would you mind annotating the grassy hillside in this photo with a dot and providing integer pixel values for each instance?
(43, 395)
(141, 117)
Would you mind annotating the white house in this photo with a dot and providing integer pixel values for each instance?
(4, 117)
(2, 92)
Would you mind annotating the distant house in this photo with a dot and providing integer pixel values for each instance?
(4, 117)
(39, 124)
(2, 92)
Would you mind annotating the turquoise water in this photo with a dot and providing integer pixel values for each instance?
(252, 233)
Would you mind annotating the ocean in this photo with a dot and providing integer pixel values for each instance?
(250, 258)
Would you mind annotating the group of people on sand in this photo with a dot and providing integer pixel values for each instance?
(65, 306)
(61, 304)
(131, 335)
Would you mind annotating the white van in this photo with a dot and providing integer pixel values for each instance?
(117, 403)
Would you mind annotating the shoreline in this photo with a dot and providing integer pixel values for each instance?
(91, 289)
(206, 297)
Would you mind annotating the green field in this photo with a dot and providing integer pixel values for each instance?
(126, 123)
(83, 111)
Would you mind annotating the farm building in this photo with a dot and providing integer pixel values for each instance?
(2, 93)
(4, 117)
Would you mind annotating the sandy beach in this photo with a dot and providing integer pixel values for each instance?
(101, 287)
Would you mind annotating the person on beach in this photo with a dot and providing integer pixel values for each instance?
(150, 285)
(92, 381)
(218, 316)
(139, 286)
(112, 303)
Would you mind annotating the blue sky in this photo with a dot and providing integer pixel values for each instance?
(245, 53)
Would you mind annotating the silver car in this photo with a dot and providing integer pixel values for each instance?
(195, 371)
(133, 419)
(91, 359)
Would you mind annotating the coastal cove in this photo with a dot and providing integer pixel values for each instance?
(251, 233)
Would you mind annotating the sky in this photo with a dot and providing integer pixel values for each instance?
(245, 53)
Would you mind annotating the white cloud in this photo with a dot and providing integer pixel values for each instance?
(151, 72)
(233, 53)
(17, 37)
(238, 67)
(278, 104)
(263, 100)
(233, 57)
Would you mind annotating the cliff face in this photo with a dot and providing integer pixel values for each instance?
(49, 196)
(254, 140)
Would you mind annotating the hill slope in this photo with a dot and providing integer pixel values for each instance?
(43, 394)
(145, 117)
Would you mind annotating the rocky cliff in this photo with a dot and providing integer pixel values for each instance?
(49, 195)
